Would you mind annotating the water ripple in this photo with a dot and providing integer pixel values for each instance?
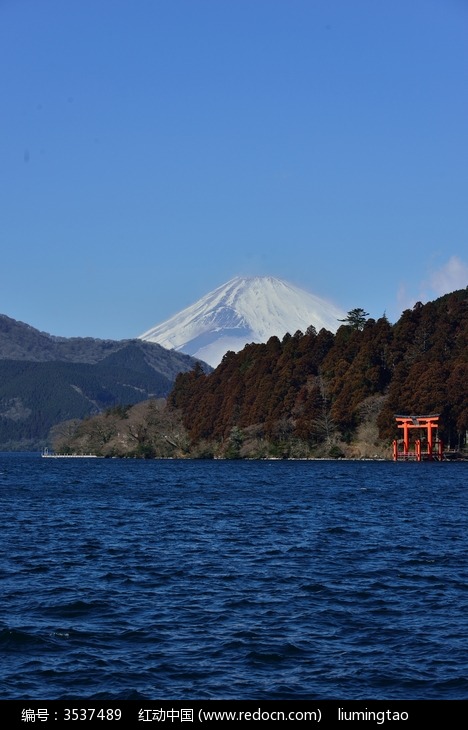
(275, 580)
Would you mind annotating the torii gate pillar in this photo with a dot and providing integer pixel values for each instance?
(420, 422)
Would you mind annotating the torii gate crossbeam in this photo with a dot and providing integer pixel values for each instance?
(428, 423)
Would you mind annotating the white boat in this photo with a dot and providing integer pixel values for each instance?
(46, 454)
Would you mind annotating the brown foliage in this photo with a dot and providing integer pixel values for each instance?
(285, 397)
(418, 364)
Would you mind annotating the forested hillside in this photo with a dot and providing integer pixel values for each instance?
(45, 380)
(316, 393)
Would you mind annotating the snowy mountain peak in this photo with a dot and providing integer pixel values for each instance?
(245, 309)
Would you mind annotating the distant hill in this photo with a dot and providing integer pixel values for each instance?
(45, 379)
(244, 310)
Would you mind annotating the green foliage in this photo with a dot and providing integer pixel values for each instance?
(356, 318)
(336, 453)
(120, 411)
(236, 438)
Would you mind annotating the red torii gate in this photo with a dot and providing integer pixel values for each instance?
(421, 422)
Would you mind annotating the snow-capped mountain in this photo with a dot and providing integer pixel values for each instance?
(244, 310)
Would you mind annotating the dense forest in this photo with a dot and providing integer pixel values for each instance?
(309, 394)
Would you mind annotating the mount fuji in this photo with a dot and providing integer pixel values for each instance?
(244, 310)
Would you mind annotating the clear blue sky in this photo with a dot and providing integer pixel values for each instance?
(150, 150)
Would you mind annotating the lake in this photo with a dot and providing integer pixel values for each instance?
(184, 579)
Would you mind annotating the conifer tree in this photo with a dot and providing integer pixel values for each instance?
(356, 318)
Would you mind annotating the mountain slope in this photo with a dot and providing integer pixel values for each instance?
(242, 311)
(20, 341)
(45, 379)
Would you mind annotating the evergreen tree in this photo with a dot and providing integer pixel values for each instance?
(356, 318)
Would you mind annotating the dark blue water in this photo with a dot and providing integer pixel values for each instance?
(233, 580)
